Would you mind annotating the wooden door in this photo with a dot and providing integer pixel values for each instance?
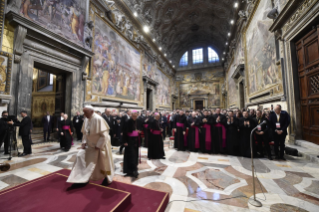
(308, 70)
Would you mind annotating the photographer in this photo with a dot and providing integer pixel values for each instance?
(24, 132)
(4, 134)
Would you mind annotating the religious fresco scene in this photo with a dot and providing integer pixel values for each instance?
(149, 67)
(63, 17)
(262, 72)
(115, 65)
(159, 106)
(164, 90)
(4, 61)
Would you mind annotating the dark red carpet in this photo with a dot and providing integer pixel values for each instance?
(52, 193)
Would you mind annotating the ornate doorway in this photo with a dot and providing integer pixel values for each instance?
(199, 105)
(308, 71)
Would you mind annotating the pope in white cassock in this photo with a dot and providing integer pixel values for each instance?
(94, 161)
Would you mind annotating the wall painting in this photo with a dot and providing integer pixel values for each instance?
(260, 52)
(63, 17)
(116, 65)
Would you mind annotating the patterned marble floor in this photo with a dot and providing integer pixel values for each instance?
(291, 185)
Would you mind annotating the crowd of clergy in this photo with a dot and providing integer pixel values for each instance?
(207, 131)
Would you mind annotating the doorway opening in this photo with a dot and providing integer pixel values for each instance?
(149, 99)
(48, 94)
(199, 105)
(241, 95)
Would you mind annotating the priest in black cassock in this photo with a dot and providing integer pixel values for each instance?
(156, 145)
(66, 132)
(131, 139)
(219, 133)
(180, 124)
(246, 125)
(146, 129)
(207, 123)
(193, 137)
(232, 140)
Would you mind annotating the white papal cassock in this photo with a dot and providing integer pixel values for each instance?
(91, 163)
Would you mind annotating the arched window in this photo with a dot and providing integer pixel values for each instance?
(212, 56)
(198, 56)
(184, 60)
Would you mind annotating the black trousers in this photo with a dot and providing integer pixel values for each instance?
(279, 143)
(260, 140)
(164, 133)
(26, 144)
(79, 134)
(6, 141)
(44, 134)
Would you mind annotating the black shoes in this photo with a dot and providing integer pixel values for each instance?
(134, 174)
(105, 182)
(78, 185)
(23, 154)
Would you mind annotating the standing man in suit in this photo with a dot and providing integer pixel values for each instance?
(59, 120)
(279, 121)
(4, 134)
(24, 132)
(47, 121)
(77, 123)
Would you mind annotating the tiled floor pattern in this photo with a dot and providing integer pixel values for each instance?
(291, 185)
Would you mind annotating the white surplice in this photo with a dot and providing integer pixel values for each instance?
(91, 163)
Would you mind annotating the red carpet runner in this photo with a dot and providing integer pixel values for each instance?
(52, 193)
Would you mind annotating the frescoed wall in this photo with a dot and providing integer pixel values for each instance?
(163, 90)
(149, 67)
(200, 88)
(260, 52)
(63, 17)
(116, 65)
(232, 91)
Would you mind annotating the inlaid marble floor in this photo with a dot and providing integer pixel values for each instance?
(291, 185)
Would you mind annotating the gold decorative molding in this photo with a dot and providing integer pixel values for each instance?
(304, 8)
(5, 72)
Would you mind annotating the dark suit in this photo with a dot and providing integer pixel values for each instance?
(284, 121)
(164, 125)
(4, 135)
(264, 137)
(47, 127)
(24, 132)
(77, 123)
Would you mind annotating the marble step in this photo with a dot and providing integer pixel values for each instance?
(307, 150)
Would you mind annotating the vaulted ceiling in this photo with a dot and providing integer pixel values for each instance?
(177, 25)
